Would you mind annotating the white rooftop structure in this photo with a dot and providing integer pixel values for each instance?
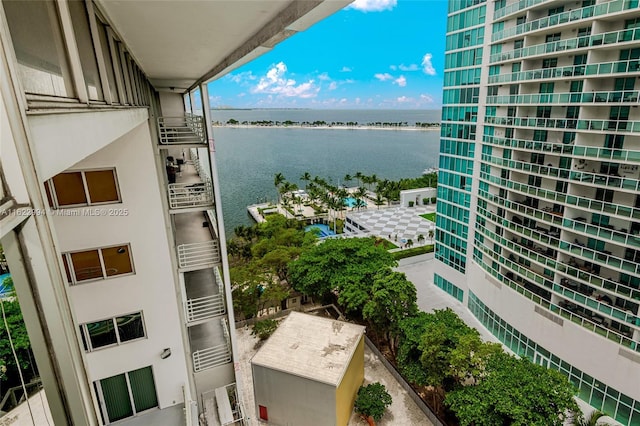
(313, 347)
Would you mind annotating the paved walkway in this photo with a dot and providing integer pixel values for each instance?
(431, 297)
(403, 222)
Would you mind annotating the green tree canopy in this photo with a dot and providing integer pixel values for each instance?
(451, 351)
(411, 330)
(392, 299)
(372, 400)
(20, 339)
(340, 264)
(515, 392)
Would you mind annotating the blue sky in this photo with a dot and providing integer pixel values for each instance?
(374, 54)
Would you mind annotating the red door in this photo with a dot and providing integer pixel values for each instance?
(263, 412)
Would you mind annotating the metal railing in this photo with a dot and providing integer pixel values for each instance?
(203, 308)
(566, 98)
(568, 200)
(623, 126)
(580, 320)
(188, 195)
(617, 182)
(516, 7)
(565, 17)
(181, 130)
(216, 355)
(613, 37)
(566, 149)
(198, 255)
(531, 273)
(623, 67)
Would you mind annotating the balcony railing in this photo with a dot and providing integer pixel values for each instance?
(566, 98)
(565, 17)
(601, 258)
(622, 238)
(206, 307)
(613, 37)
(567, 200)
(622, 67)
(621, 155)
(626, 126)
(587, 323)
(516, 7)
(614, 312)
(190, 195)
(203, 308)
(185, 130)
(198, 255)
(216, 355)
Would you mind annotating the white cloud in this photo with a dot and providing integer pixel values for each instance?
(393, 67)
(373, 5)
(404, 99)
(383, 77)
(400, 81)
(324, 76)
(275, 82)
(412, 67)
(426, 98)
(346, 69)
(333, 85)
(241, 77)
(427, 67)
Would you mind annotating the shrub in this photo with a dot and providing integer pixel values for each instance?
(433, 200)
(265, 328)
(372, 400)
(425, 201)
(410, 203)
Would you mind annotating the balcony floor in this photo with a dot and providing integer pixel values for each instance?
(173, 415)
(200, 283)
(206, 335)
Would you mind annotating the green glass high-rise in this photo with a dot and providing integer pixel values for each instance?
(538, 227)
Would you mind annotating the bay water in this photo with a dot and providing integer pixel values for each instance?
(248, 158)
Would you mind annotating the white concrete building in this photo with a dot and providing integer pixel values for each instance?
(539, 187)
(108, 176)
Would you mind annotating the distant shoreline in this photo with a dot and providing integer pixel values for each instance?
(327, 127)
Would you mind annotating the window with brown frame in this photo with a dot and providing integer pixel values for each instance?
(100, 263)
(83, 188)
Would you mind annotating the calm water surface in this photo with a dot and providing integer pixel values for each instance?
(248, 159)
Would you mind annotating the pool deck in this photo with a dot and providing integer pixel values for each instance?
(396, 223)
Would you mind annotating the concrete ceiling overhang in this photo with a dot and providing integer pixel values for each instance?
(181, 43)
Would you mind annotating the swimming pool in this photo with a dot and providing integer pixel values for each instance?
(5, 290)
(351, 202)
(325, 231)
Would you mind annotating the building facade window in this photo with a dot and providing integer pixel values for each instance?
(112, 331)
(125, 395)
(83, 188)
(39, 47)
(80, 19)
(100, 263)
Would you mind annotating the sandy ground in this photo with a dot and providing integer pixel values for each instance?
(403, 410)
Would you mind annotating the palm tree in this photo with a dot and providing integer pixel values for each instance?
(359, 177)
(306, 176)
(431, 235)
(278, 180)
(358, 204)
(420, 238)
(591, 420)
(347, 178)
(361, 192)
(409, 242)
(379, 200)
